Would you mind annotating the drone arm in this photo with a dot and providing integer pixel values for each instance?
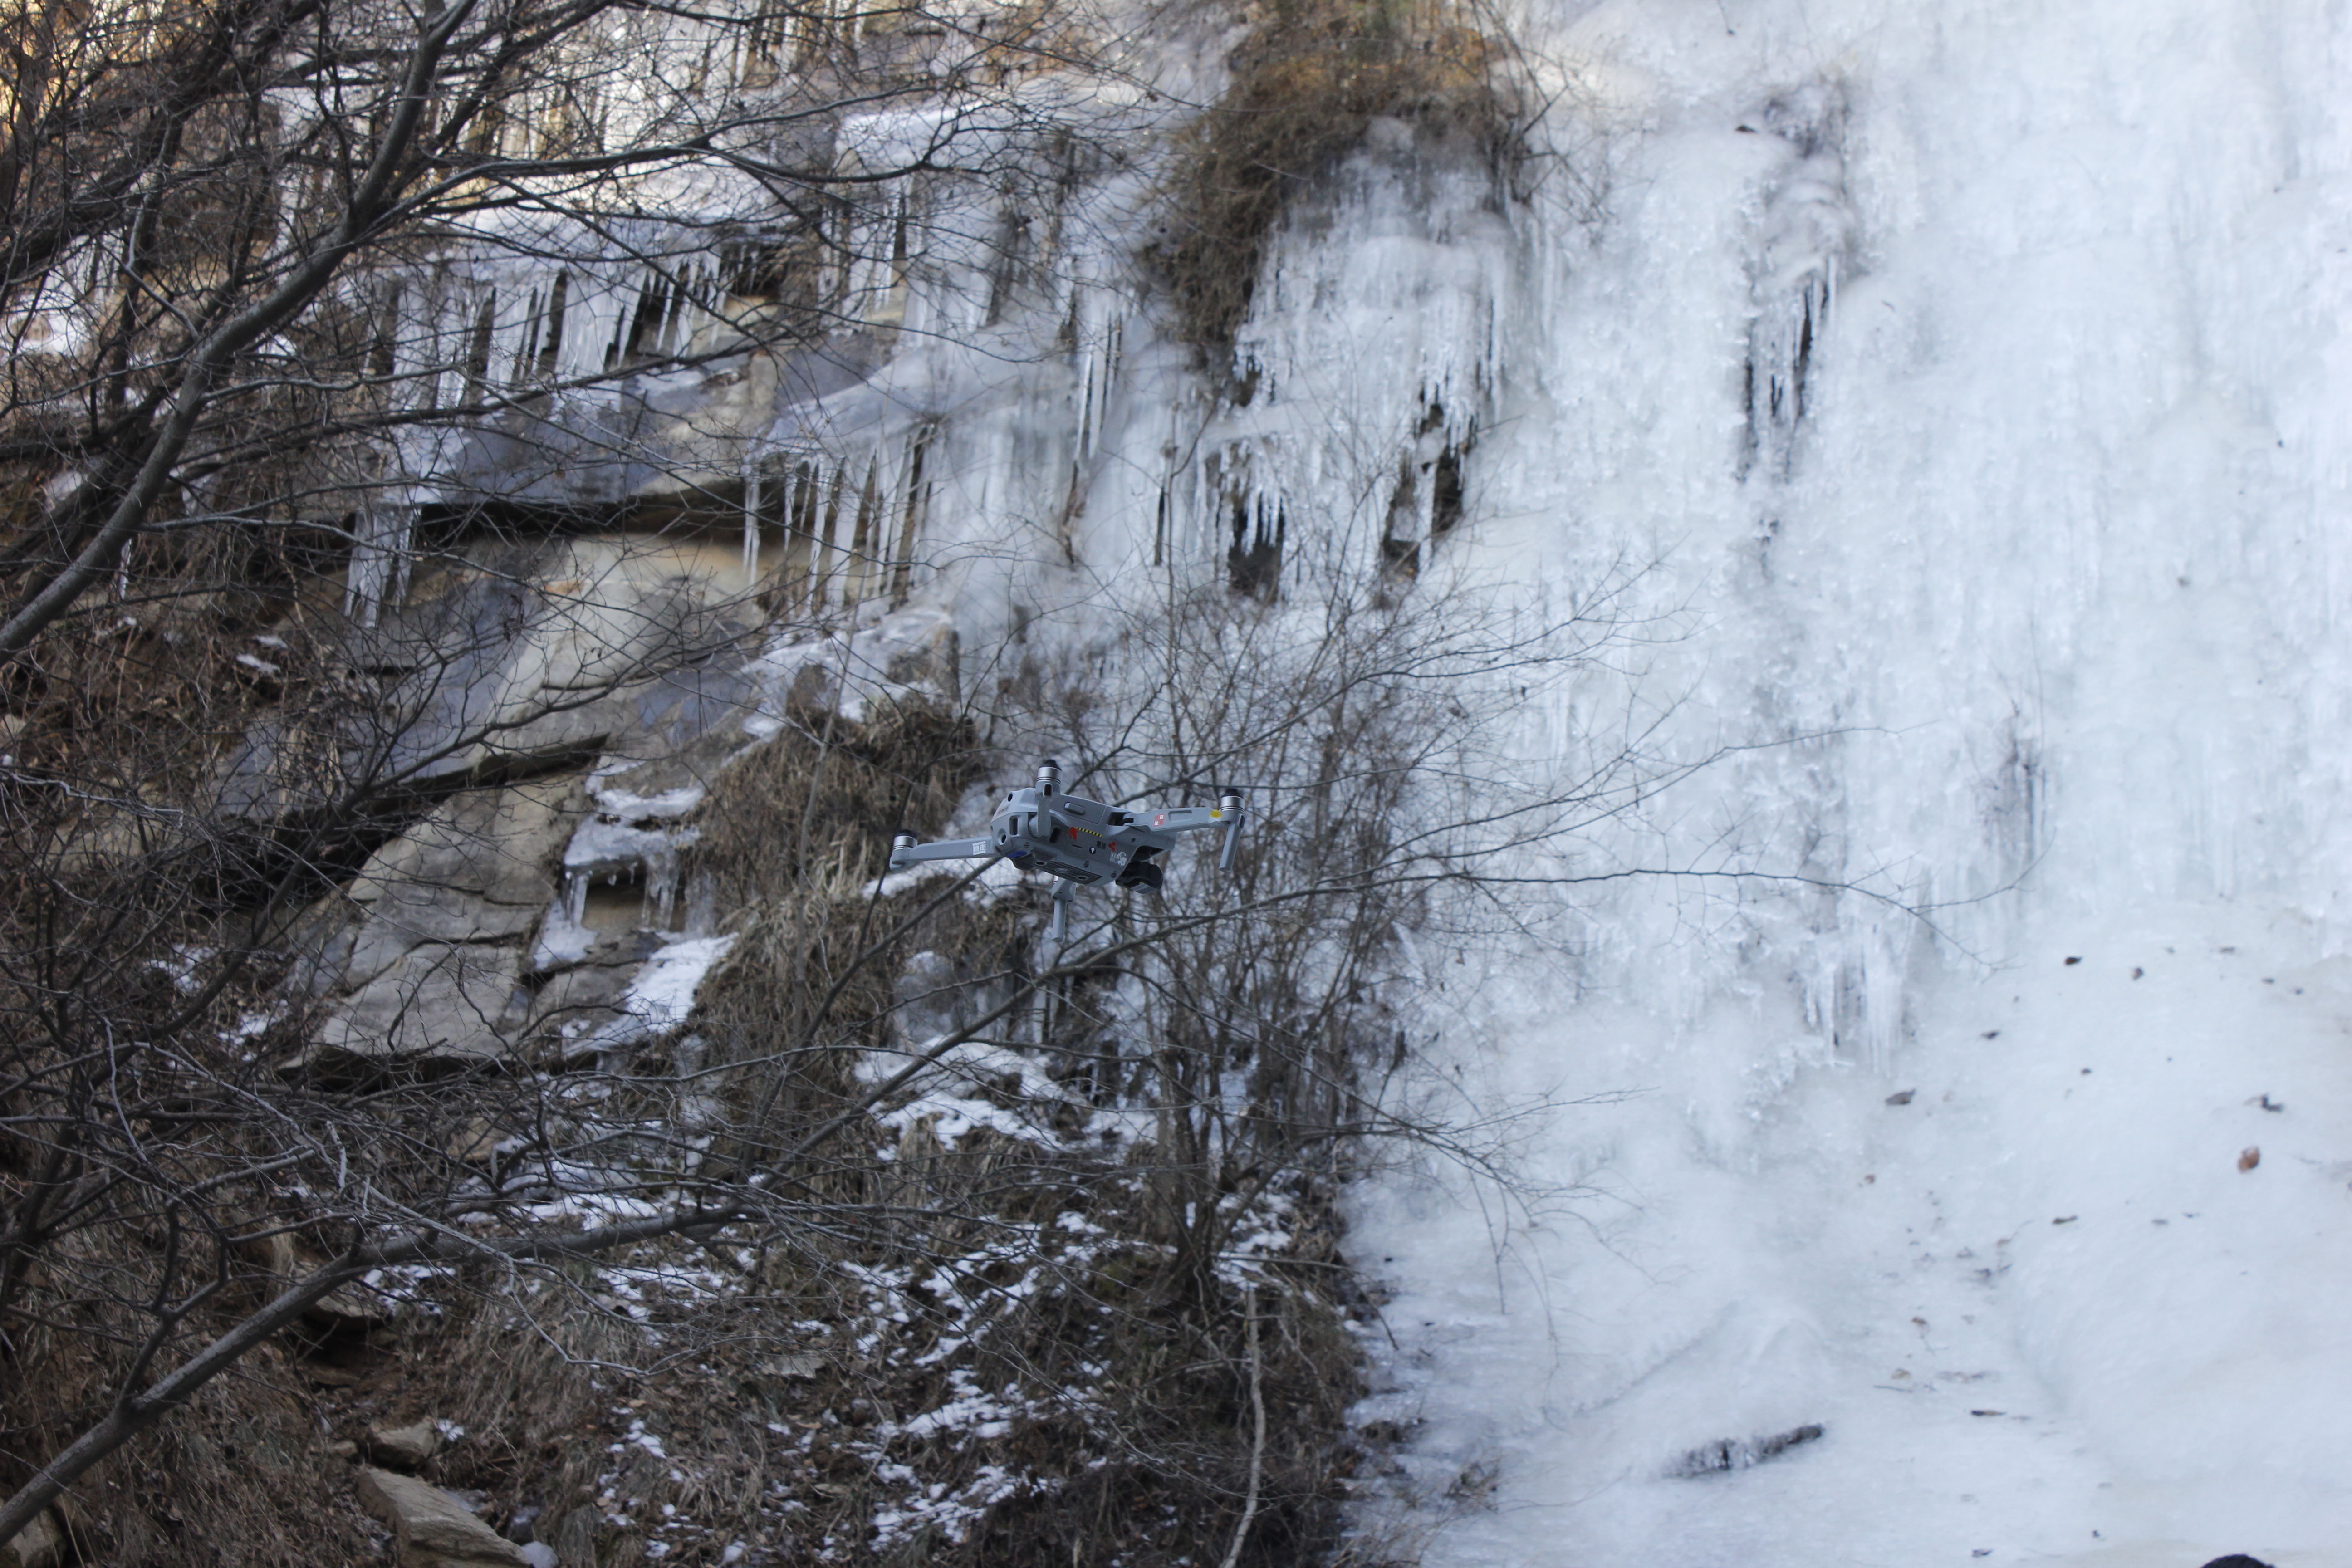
(1186, 819)
(905, 851)
(1227, 815)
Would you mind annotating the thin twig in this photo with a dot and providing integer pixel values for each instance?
(1257, 1442)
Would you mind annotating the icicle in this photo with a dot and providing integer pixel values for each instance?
(378, 573)
(661, 888)
(751, 521)
(1090, 370)
(564, 937)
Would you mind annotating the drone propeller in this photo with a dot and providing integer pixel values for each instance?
(1229, 801)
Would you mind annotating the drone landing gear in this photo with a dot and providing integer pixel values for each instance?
(1058, 933)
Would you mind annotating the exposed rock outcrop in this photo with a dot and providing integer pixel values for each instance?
(473, 937)
(408, 1447)
(442, 1003)
(432, 1528)
(40, 1545)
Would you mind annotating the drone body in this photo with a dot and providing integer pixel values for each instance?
(1079, 841)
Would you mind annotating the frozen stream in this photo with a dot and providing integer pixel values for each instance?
(2051, 563)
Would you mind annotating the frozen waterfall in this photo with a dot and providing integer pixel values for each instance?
(1971, 372)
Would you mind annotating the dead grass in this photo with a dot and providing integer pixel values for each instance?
(237, 1479)
(780, 1411)
(1306, 84)
(778, 1424)
(814, 809)
(787, 1417)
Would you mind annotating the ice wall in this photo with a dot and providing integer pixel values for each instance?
(1970, 374)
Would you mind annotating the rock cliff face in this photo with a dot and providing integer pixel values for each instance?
(525, 917)
(431, 1529)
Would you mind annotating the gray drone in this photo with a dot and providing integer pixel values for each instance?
(1078, 840)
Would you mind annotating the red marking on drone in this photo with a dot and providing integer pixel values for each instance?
(1160, 820)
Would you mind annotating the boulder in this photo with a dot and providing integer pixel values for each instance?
(480, 870)
(499, 844)
(417, 915)
(319, 946)
(40, 1545)
(435, 1004)
(409, 1447)
(432, 1528)
(574, 1006)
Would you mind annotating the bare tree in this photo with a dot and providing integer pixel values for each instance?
(1194, 1078)
(336, 323)
(329, 324)
(310, 263)
(196, 1166)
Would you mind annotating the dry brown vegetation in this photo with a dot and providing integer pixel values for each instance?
(1306, 83)
(1082, 1268)
(1064, 1281)
(165, 1170)
(772, 1433)
(240, 1479)
(767, 1369)
(197, 420)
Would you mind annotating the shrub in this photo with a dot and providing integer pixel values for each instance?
(1306, 83)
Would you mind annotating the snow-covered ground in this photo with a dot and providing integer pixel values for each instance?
(2037, 612)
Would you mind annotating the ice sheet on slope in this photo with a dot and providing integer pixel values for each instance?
(2159, 1367)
